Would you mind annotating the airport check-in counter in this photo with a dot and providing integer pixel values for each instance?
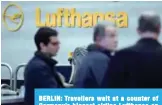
(9, 94)
(12, 98)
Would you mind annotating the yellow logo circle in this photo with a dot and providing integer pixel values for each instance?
(13, 17)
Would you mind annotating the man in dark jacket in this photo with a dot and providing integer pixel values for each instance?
(95, 63)
(139, 66)
(40, 71)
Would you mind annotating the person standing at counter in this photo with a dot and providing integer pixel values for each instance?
(40, 71)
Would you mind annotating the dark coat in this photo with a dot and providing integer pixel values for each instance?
(40, 73)
(139, 66)
(93, 67)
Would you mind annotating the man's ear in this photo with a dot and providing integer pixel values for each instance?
(159, 29)
(41, 45)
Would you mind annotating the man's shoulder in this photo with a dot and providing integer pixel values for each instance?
(35, 63)
(125, 53)
(126, 50)
(96, 56)
(134, 49)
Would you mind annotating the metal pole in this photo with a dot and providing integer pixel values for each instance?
(10, 70)
(15, 75)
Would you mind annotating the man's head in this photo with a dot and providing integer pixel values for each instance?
(149, 22)
(46, 41)
(105, 35)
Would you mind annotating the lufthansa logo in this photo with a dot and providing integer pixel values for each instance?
(13, 17)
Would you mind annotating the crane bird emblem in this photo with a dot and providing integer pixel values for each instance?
(16, 18)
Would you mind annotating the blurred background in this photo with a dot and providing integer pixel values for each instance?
(18, 47)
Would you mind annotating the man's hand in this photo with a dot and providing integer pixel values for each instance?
(67, 85)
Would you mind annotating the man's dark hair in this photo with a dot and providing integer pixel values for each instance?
(43, 36)
(99, 29)
(149, 22)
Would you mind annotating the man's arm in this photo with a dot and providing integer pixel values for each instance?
(99, 67)
(91, 71)
(84, 77)
(81, 74)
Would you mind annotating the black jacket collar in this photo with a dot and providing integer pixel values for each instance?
(51, 62)
(149, 41)
(94, 47)
(46, 59)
